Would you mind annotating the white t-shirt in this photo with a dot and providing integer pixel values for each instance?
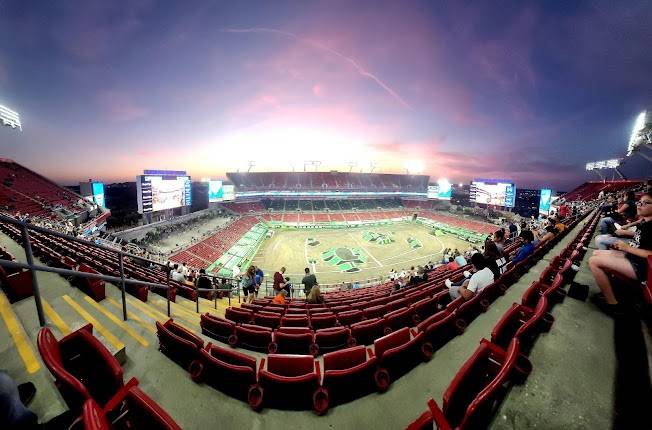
(480, 280)
(178, 276)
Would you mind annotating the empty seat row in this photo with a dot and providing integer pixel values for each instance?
(294, 381)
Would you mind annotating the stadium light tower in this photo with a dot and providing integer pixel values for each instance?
(352, 164)
(251, 165)
(10, 118)
(598, 166)
(641, 136)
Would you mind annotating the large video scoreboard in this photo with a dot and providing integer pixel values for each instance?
(160, 190)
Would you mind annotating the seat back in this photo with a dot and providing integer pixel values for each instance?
(290, 365)
(73, 391)
(392, 340)
(231, 356)
(238, 315)
(345, 358)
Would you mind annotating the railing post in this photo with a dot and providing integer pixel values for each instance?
(167, 269)
(196, 297)
(30, 261)
(122, 286)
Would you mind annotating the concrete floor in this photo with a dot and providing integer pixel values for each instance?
(571, 385)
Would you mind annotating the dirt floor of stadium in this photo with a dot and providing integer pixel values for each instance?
(352, 254)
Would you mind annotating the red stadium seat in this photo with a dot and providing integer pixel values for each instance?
(139, 412)
(424, 308)
(472, 396)
(267, 319)
(397, 354)
(227, 370)
(331, 339)
(323, 320)
(365, 332)
(289, 382)
(179, 344)
(82, 367)
(522, 323)
(217, 328)
(375, 311)
(289, 321)
(244, 316)
(17, 285)
(252, 337)
(440, 328)
(348, 374)
(92, 287)
(397, 319)
(350, 317)
(292, 340)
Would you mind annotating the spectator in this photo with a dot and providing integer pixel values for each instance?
(628, 260)
(308, 281)
(177, 274)
(13, 404)
(203, 281)
(604, 241)
(527, 248)
(402, 279)
(459, 259)
(482, 277)
(248, 284)
(499, 240)
(549, 234)
(184, 270)
(258, 279)
(280, 282)
(626, 211)
(280, 297)
(315, 296)
(512, 229)
(452, 264)
(493, 257)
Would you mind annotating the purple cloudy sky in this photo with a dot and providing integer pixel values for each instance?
(522, 90)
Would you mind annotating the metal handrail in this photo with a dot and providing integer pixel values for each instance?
(122, 280)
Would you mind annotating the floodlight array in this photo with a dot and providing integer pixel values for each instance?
(10, 118)
(640, 132)
(606, 164)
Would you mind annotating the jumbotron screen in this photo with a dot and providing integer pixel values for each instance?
(220, 192)
(496, 192)
(164, 190)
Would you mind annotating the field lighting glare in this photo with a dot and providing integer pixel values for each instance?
(444, 185)
(640, 132)
(10, 118)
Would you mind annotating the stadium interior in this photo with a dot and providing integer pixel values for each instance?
(325, 215)
(369, 354)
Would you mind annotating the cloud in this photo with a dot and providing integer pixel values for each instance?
(120, 106)
(351, 61)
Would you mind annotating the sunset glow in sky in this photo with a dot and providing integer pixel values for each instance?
(523, 90)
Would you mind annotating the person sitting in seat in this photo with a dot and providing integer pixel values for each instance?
(315, 296)
(499, 240)
(177, 274)
(549, 234)
(280, 297)
(482, 277)
(528, 247)
(626, 259)
(604, 241)
(452, 264)
(626, 211)
(202, 280)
